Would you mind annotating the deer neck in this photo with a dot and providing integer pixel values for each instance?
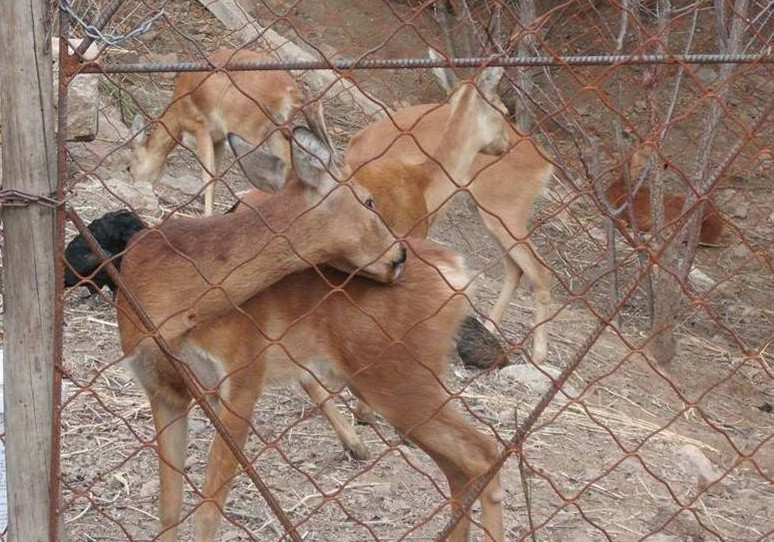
(294, 218)
(165, 136)
(448, 169)
(237, 256)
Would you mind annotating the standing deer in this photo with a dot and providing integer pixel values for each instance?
(207, 106)
(471, 126)
(504, 187)
(229, 355)
(389, 344)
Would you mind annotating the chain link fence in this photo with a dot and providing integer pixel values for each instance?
(246, 376)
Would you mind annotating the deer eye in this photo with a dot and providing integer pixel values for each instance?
(370, 203)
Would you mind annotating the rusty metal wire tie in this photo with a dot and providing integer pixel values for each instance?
(344, 64)
(16, 198)
(94, 31)
(99, 24)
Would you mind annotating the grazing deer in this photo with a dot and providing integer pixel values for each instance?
(207, 106)
(504, 187)
(389, 344)
(617, 194)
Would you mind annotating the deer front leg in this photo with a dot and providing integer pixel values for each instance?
(206, 153)
(171, 421)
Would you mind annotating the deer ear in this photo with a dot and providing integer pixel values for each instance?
(312, 160)
(444, 76)
(487, 81)
(138, 130)
(263, 169)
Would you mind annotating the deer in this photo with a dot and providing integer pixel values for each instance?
(472, 126)
(205, 107)
(388, 344)
(504, 186)
(186, 271)
(618, 195)
(349, 343)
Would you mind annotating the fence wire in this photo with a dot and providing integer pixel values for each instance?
(618, 154)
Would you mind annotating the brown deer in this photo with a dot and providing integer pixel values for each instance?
(207, 106)
(389, 344)
(617, 194)
(472, 126)
(504, 187)
(189, 270)
(350, 342)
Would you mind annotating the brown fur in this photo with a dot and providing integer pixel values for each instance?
(188, 270)
(209, 105)
(399, 202)
(505, 188)
(389, 344)
(712, 226)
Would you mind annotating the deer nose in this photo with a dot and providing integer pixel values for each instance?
(403, 255)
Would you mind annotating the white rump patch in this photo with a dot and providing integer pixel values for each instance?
(208, 369)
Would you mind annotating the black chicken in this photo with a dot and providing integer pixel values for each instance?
(112, 231)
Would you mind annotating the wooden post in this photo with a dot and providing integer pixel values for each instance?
(29, 162)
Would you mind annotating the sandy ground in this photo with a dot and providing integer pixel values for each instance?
(628, 450)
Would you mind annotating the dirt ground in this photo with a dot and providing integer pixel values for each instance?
(627, 451)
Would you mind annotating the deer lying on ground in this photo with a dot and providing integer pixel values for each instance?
(388, 344)
(618, 194)
(504, 187)
(207, 106)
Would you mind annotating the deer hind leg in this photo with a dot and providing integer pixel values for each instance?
(206, 151)
(171, 421)
(539, 276)
(419, 409)
(364, 413)
(344, 430)
(520, 259)
(219, 151)
(511, 279)
(236, 406)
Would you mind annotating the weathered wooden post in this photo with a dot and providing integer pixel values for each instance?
(29, 167)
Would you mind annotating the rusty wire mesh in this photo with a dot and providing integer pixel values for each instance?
(616, 435)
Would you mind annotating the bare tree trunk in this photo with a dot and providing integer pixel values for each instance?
(29, 162)
(458, 28)
(441, 11)
(526, 48)
(677, 258)
(666, 288)
(465, 28)
(610, 230)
